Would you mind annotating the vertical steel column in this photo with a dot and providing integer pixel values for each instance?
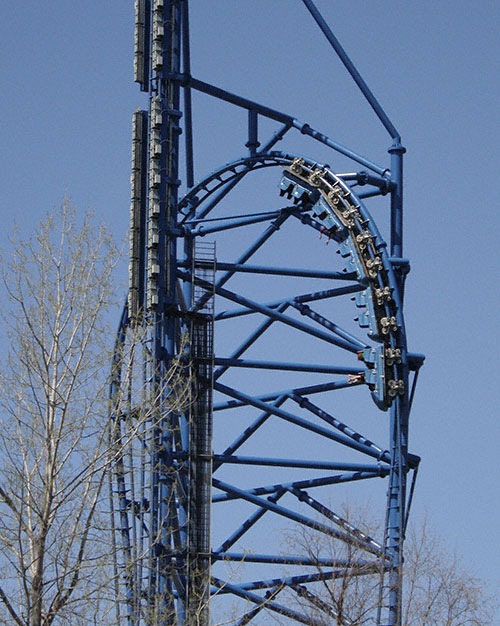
(397, 151)
(166, 91)
(171, 304)
(396, 494)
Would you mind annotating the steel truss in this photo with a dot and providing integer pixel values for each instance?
(237, 427)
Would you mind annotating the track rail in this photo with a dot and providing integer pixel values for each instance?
(237, 383)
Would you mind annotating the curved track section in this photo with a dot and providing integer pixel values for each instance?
(261, 382)
(279, 444)
(231, 173)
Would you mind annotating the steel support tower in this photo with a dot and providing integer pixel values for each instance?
(247, 405)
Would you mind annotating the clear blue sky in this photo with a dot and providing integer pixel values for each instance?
(67, 97)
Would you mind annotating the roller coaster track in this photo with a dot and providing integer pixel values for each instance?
(234, 428)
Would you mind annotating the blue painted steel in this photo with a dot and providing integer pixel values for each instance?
(172, 451)
(264, 601)
(278, 558)
(366, 568)
(307, 484)
(288, 393)
(279, 271)
(376, 374)
(297, 301)
(359, 443)
(351, 68)
(290, 514)
(275, 315)
(206, 230)
(230, 174)
(290, 367)
(367, 319)
(245, 460)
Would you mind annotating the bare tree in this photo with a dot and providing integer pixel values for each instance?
(347, 592)
(53, 433)
(62, 435)
(438, 589)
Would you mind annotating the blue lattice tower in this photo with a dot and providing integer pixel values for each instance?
(246, 402)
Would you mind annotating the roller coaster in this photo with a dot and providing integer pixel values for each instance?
(247, 405)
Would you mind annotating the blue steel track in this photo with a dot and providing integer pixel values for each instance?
(246, 403)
